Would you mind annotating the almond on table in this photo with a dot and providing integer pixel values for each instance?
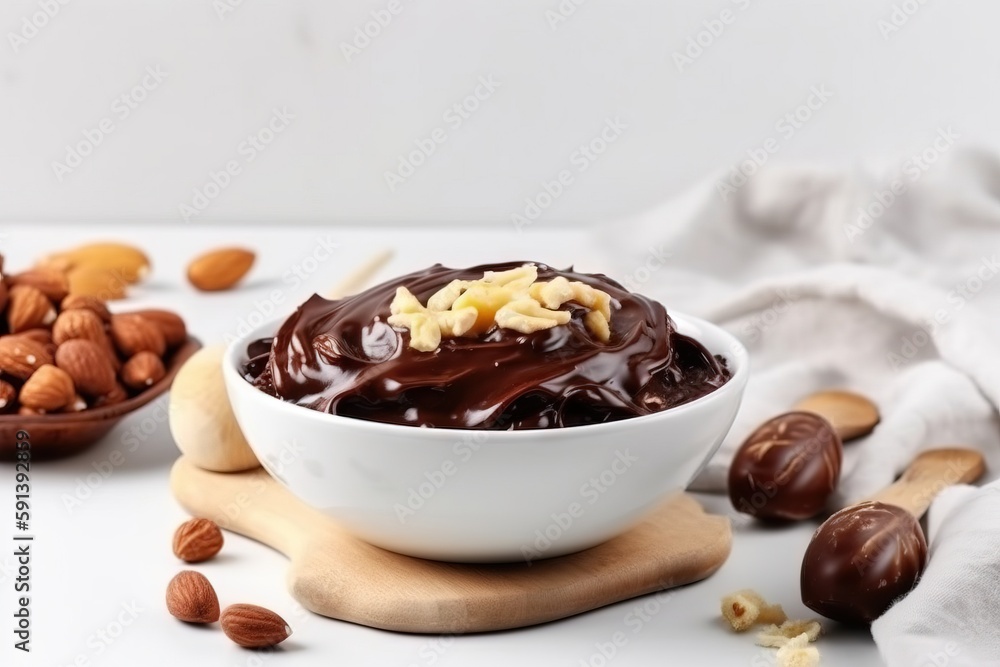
(251, 626)
(129, 263)
(197, 540)
(192, 599)
(220, 269)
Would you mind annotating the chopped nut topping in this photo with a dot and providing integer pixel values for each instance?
(509, 299)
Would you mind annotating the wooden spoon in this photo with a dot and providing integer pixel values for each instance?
(867, 556)
(932, 471)
(851, 415)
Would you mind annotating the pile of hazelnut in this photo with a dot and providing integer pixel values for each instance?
(66, 352)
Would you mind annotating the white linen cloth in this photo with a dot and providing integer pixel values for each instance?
(882, 281)
(950, 618)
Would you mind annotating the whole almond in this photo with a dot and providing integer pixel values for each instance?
(87, 363)
(49, 388)
(251, 626)
(143, 370)
(197, 540)
(43, 336)
(97, 282)
(134, 333)
(21, 356)
(191, 598)
(219, 269)
(86, 302)
(171, 324)
(85, 324)
(8, 395)
(79, 323)
(128, 262)
(51, 283)
(28, 308)
(113, 397)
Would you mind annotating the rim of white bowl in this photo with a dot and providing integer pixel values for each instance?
(736, 356)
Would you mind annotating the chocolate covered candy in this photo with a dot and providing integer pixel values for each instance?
(862, 559)
(787, 468)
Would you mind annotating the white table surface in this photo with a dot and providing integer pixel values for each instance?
(112, 552)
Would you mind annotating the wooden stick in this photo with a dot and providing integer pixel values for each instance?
(360, 277)
(932, 471)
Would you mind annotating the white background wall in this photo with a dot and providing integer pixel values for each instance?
(557, 86)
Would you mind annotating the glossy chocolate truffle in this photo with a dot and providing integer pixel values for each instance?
(343, 358)
(787, 468)
(861, 560)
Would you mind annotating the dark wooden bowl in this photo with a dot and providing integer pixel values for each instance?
(64, 434)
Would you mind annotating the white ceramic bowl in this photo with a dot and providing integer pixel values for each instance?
(487, 496)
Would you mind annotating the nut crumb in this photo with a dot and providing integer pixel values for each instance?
(798, 653)
(746, 608)
(776, 636)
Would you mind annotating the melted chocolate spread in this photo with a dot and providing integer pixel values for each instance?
(343, 358)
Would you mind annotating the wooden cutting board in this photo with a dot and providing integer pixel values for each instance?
(337, 575)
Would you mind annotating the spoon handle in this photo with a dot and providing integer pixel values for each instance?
(932, 471)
